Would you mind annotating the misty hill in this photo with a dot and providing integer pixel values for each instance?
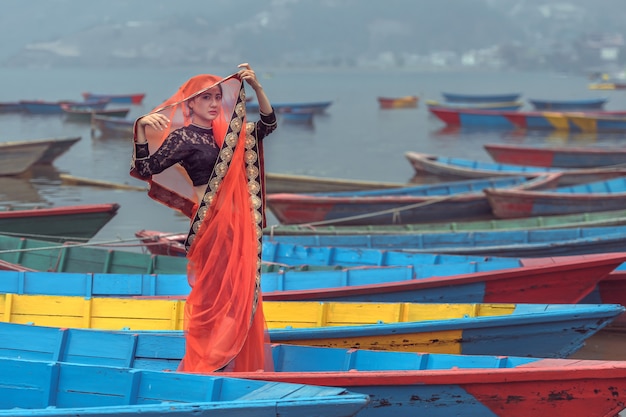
(58, 33)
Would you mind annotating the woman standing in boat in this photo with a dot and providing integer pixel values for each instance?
(201, 157)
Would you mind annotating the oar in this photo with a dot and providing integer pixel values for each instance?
(70, 179)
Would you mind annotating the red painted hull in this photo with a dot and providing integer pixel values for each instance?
(544, 388)
(398, 102)
(563, 157)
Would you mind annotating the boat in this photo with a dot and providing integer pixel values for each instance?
(521, 243)
(587, 197)
(132, 98)
(57, 224)
(403, 383)
(57, 147)
(446, 201)
(39, 255)
(284, 107)
(56, 107)
(480, 98)
(568, 105)
(472, 118)
(607, 85)
(404, 102)
(52, 388)
(111, 125)
(450, 167)
(17, 157)
(507, 105)
(557, 156)
(291, 183)
(72, 113)
(505, 280)
(599, 218)
(461, 328)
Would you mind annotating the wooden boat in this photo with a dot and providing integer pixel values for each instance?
(466, 328)
(56, 148)
(55, 107)
(58, 224)
(472, 118)
(533, 243)
(608, 85)
(568, 105)
(507, 105)
(599, 218)
(20, 253)
(465, 168)
(588, 197)
(291, 183)
(404, 102)
(480, 98)
(84, 115)
(457, 200)
(556, 156)
(52, 388)
(403, 383)
(17, 157)
(508, 280)
(133, 98)
(284, 107)
(111, 125)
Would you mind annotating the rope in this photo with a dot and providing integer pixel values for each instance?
(394, 211)
(110, 243)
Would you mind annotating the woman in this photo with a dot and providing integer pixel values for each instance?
(201, 157)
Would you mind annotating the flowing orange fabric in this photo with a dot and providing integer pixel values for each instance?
(224, 322)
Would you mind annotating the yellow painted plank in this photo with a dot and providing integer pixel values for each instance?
(557, 120)
(143, 314)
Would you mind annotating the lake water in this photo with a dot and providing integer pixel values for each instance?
(355, 139)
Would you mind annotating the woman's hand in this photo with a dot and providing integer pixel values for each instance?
(248, 75)
(154, 120)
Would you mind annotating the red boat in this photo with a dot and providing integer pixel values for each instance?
(404, 102)
(134, 98)
(560, 157)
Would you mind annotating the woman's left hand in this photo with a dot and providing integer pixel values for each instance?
(247, 74)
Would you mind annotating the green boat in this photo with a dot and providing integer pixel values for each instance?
(57, 224)
(37, 255)
(601, 218)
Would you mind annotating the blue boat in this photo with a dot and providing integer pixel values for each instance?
(502, 106)
(451, 167)
(60, 389)
(317, 107)
(404, 384)
(478, 329)
(551, 280)
(569, 105)
(480, 98)
(56, 107)
(515, 243)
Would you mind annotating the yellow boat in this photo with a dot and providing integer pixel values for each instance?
(506, 329)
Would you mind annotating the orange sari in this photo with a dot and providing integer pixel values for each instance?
(224, 322)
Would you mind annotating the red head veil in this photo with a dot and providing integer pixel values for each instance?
(224, 323)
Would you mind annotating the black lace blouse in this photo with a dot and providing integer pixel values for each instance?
(194, 148)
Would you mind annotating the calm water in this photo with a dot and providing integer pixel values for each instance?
(355, 139)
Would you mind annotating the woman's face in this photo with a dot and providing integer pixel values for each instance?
(206, 106)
